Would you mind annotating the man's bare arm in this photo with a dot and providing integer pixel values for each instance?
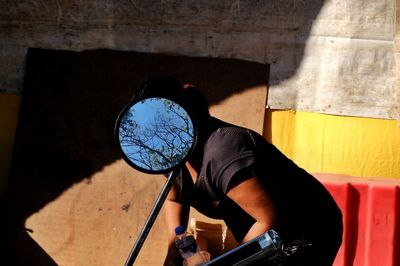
(249, 193)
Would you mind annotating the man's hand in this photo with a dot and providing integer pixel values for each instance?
(173, 257)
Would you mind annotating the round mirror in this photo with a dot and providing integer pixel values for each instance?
(155, 135)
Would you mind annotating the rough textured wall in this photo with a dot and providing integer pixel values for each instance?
(262, 31)
(326, 56)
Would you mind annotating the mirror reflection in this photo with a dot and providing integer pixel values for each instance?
(155, 134)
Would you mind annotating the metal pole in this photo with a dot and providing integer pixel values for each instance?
(152, 217)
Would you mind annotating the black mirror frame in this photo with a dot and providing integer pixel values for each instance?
(141, 169)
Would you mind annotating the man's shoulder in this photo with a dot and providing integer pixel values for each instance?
(229, 142)
(229, 133)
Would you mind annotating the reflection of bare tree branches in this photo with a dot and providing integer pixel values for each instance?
(138, 143)
(160, 142)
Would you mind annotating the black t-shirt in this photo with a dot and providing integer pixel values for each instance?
(305, 208)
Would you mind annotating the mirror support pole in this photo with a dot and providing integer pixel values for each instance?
(152, 217)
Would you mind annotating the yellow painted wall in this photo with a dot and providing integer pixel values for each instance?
(9, 107)
(321, 143)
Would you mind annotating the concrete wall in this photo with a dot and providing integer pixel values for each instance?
(316, 49)
(262, 31)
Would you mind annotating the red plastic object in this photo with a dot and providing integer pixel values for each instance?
(371, 219)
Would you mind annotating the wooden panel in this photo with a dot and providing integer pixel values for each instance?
(80, 204)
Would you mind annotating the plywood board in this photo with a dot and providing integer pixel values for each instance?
(73, 201)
